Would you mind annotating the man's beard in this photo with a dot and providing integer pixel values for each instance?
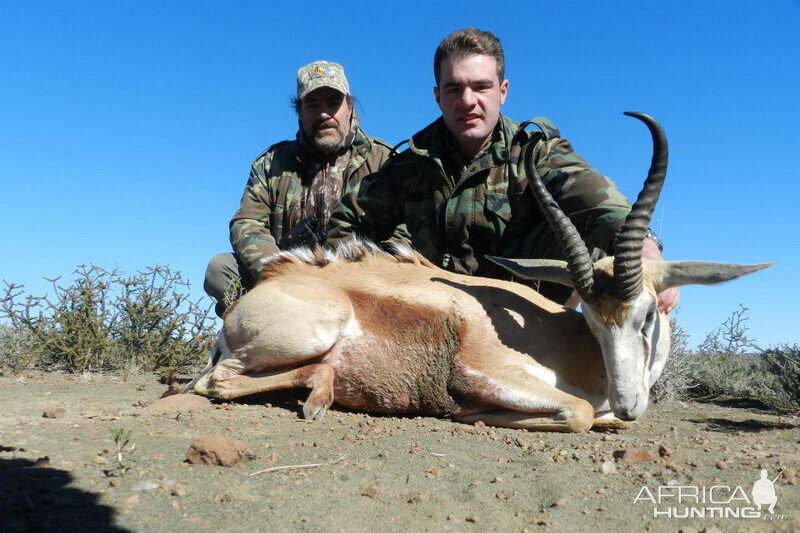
(330, 142)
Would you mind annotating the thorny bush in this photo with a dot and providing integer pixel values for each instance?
(728, 365)
(105, 320)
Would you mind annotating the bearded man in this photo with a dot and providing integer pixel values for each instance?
(295, 185)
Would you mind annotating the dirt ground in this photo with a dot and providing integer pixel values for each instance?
(61, 472)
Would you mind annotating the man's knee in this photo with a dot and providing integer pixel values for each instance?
(220, 273)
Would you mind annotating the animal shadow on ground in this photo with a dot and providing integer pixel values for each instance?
(37, 498)
(725, 425)
(289, 399)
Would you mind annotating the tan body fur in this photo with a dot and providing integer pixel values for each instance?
(397, 335)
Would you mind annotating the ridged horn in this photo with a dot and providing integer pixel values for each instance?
(579, 262)
(629, 242)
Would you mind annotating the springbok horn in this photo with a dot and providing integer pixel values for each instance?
(628, 245)
(579, 262)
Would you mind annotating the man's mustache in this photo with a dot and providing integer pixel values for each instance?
(327, 123)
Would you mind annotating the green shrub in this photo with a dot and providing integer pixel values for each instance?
(729, 365)
(105, 320)
(18, 350)
(783, 364)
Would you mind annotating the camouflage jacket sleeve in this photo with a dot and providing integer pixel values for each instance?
(371, 210)
(591, 200)
(250, 233)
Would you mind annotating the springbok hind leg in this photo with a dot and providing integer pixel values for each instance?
(318, 377)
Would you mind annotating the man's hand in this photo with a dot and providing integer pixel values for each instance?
(668, 299)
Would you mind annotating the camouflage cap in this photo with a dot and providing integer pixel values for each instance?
(321, 74)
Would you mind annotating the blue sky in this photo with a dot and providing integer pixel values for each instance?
(127, 128)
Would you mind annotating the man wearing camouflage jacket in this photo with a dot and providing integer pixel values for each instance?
(295, 185)
(461, 187)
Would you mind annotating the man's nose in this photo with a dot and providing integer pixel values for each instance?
(467, 98)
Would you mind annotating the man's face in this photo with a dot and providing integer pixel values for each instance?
(470, 95)
(325, 117)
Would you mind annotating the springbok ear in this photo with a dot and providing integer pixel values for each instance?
(539, 269)
(677, 273)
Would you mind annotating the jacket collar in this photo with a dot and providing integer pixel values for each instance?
(432, 141)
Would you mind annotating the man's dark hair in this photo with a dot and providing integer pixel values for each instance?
(296, 103)
(467, 42)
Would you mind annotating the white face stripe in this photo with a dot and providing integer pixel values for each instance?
(627, 355)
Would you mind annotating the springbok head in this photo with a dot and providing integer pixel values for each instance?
(619, 293)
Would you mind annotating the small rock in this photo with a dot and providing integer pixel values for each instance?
(721, 465)
(687, 530)
(496, 480)
(145, 486)
(608, 467)
(114, 482)
(172, 390)
(559, 503)
(42, 462)
(472, 518)
(371, 491)
(53, 412)
(99, 460)
(791, 481)
(373, 431)
(215, 449)
(664, 451)
(419, 498)
(179, 403)
(179, 490)
(109, 411)
(787, 474)
(347, 436)
(633, 456)
(434, 472)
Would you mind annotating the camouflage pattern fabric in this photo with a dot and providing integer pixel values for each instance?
(272, 203)
(459, 212)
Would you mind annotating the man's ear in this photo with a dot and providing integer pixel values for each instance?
(503, 92)
(436, 93)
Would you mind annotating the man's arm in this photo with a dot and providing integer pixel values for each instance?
(592, 201)
(668, 299)
(250, 227)
(372, 210)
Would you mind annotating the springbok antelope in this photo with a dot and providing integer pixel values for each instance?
(395, 334)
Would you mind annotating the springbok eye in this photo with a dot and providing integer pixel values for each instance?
(648, 321)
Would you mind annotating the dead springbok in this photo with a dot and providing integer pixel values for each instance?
(394, 334)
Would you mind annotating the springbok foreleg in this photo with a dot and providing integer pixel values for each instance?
(516, 396)
(317, 377)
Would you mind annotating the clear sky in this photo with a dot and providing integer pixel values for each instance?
(127, 129)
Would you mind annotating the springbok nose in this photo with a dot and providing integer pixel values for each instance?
(629, 413)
